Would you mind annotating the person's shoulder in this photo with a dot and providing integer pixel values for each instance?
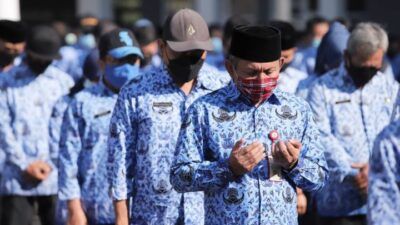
(217, 98)
(217, 77)
(292, 100)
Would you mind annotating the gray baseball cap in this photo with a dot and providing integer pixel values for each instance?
(186, 30)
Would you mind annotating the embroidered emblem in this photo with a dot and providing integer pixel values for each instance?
(224, 116)
(163, 108)
(233, 196)
(287, 195)
(191, 31)
(286, 113)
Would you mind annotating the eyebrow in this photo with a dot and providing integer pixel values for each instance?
(268, 70)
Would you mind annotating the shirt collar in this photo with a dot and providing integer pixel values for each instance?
(105, 90)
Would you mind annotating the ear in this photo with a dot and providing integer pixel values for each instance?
(230, 68)
(162, 46)
(281, 62)
(161, 43)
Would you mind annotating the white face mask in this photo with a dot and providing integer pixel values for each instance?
(87, 83)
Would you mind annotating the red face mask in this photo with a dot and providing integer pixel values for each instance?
(256, 89)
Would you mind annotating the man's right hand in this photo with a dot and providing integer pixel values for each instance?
(76, 216)
(38, 171)
(243, 160)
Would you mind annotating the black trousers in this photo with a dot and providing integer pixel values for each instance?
(20, 210)
(351, 220)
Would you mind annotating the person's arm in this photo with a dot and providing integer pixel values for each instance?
(189, 171)
(338, 160)
(121, 212)
(70, 147)
(76, 215)
(121, 148)
(9, 144)
(311, 171)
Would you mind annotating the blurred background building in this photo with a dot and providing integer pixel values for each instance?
(125, 12)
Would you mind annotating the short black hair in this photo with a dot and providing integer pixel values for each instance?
(314, 21)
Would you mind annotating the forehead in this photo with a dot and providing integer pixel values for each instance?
(245, 64)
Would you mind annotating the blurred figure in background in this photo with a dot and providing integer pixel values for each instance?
(289, 77)
(329, 56)
(216, 57)
(146, 34)
(12, 43)
(232, 22)
(307, 52)
(352, 104)
(26, 101)
(83, 145)
(384, 176)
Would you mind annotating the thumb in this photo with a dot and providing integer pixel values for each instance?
(357, 165)
(238, 145)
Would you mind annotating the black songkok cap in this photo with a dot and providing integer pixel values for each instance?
(288, 34)
(256, 43)
(12, 31)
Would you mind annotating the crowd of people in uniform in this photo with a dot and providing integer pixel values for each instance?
(240, 124)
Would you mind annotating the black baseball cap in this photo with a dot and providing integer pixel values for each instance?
(186, 30)
(144, 31)
(119, 43)
(44, 42)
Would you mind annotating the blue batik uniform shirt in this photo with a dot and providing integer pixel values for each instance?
(214, 124)
(143, 133)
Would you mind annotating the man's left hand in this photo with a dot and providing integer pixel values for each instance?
(286, 154)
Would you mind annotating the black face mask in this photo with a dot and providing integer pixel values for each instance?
(360, 75)
(185, 68)
(6, 59)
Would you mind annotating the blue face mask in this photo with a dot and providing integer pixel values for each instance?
(87, 41)
(316, 42)
(217, 43)
(117, 76)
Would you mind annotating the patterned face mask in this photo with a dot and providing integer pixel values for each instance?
(256, 89)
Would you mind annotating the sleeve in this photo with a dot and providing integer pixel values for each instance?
(190, 171)
(338, 160)
(383, 189)
(121, 146)
(55, 128)
(311, 172)
(70, 148)
(12, 149)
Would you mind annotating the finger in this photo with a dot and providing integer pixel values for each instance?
(284, 152)
(238, 145)
(297, 144)
(277, 149)
(259, 155)
(252, 147)
(293, 151)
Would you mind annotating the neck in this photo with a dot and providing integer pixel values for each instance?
(187, 87)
